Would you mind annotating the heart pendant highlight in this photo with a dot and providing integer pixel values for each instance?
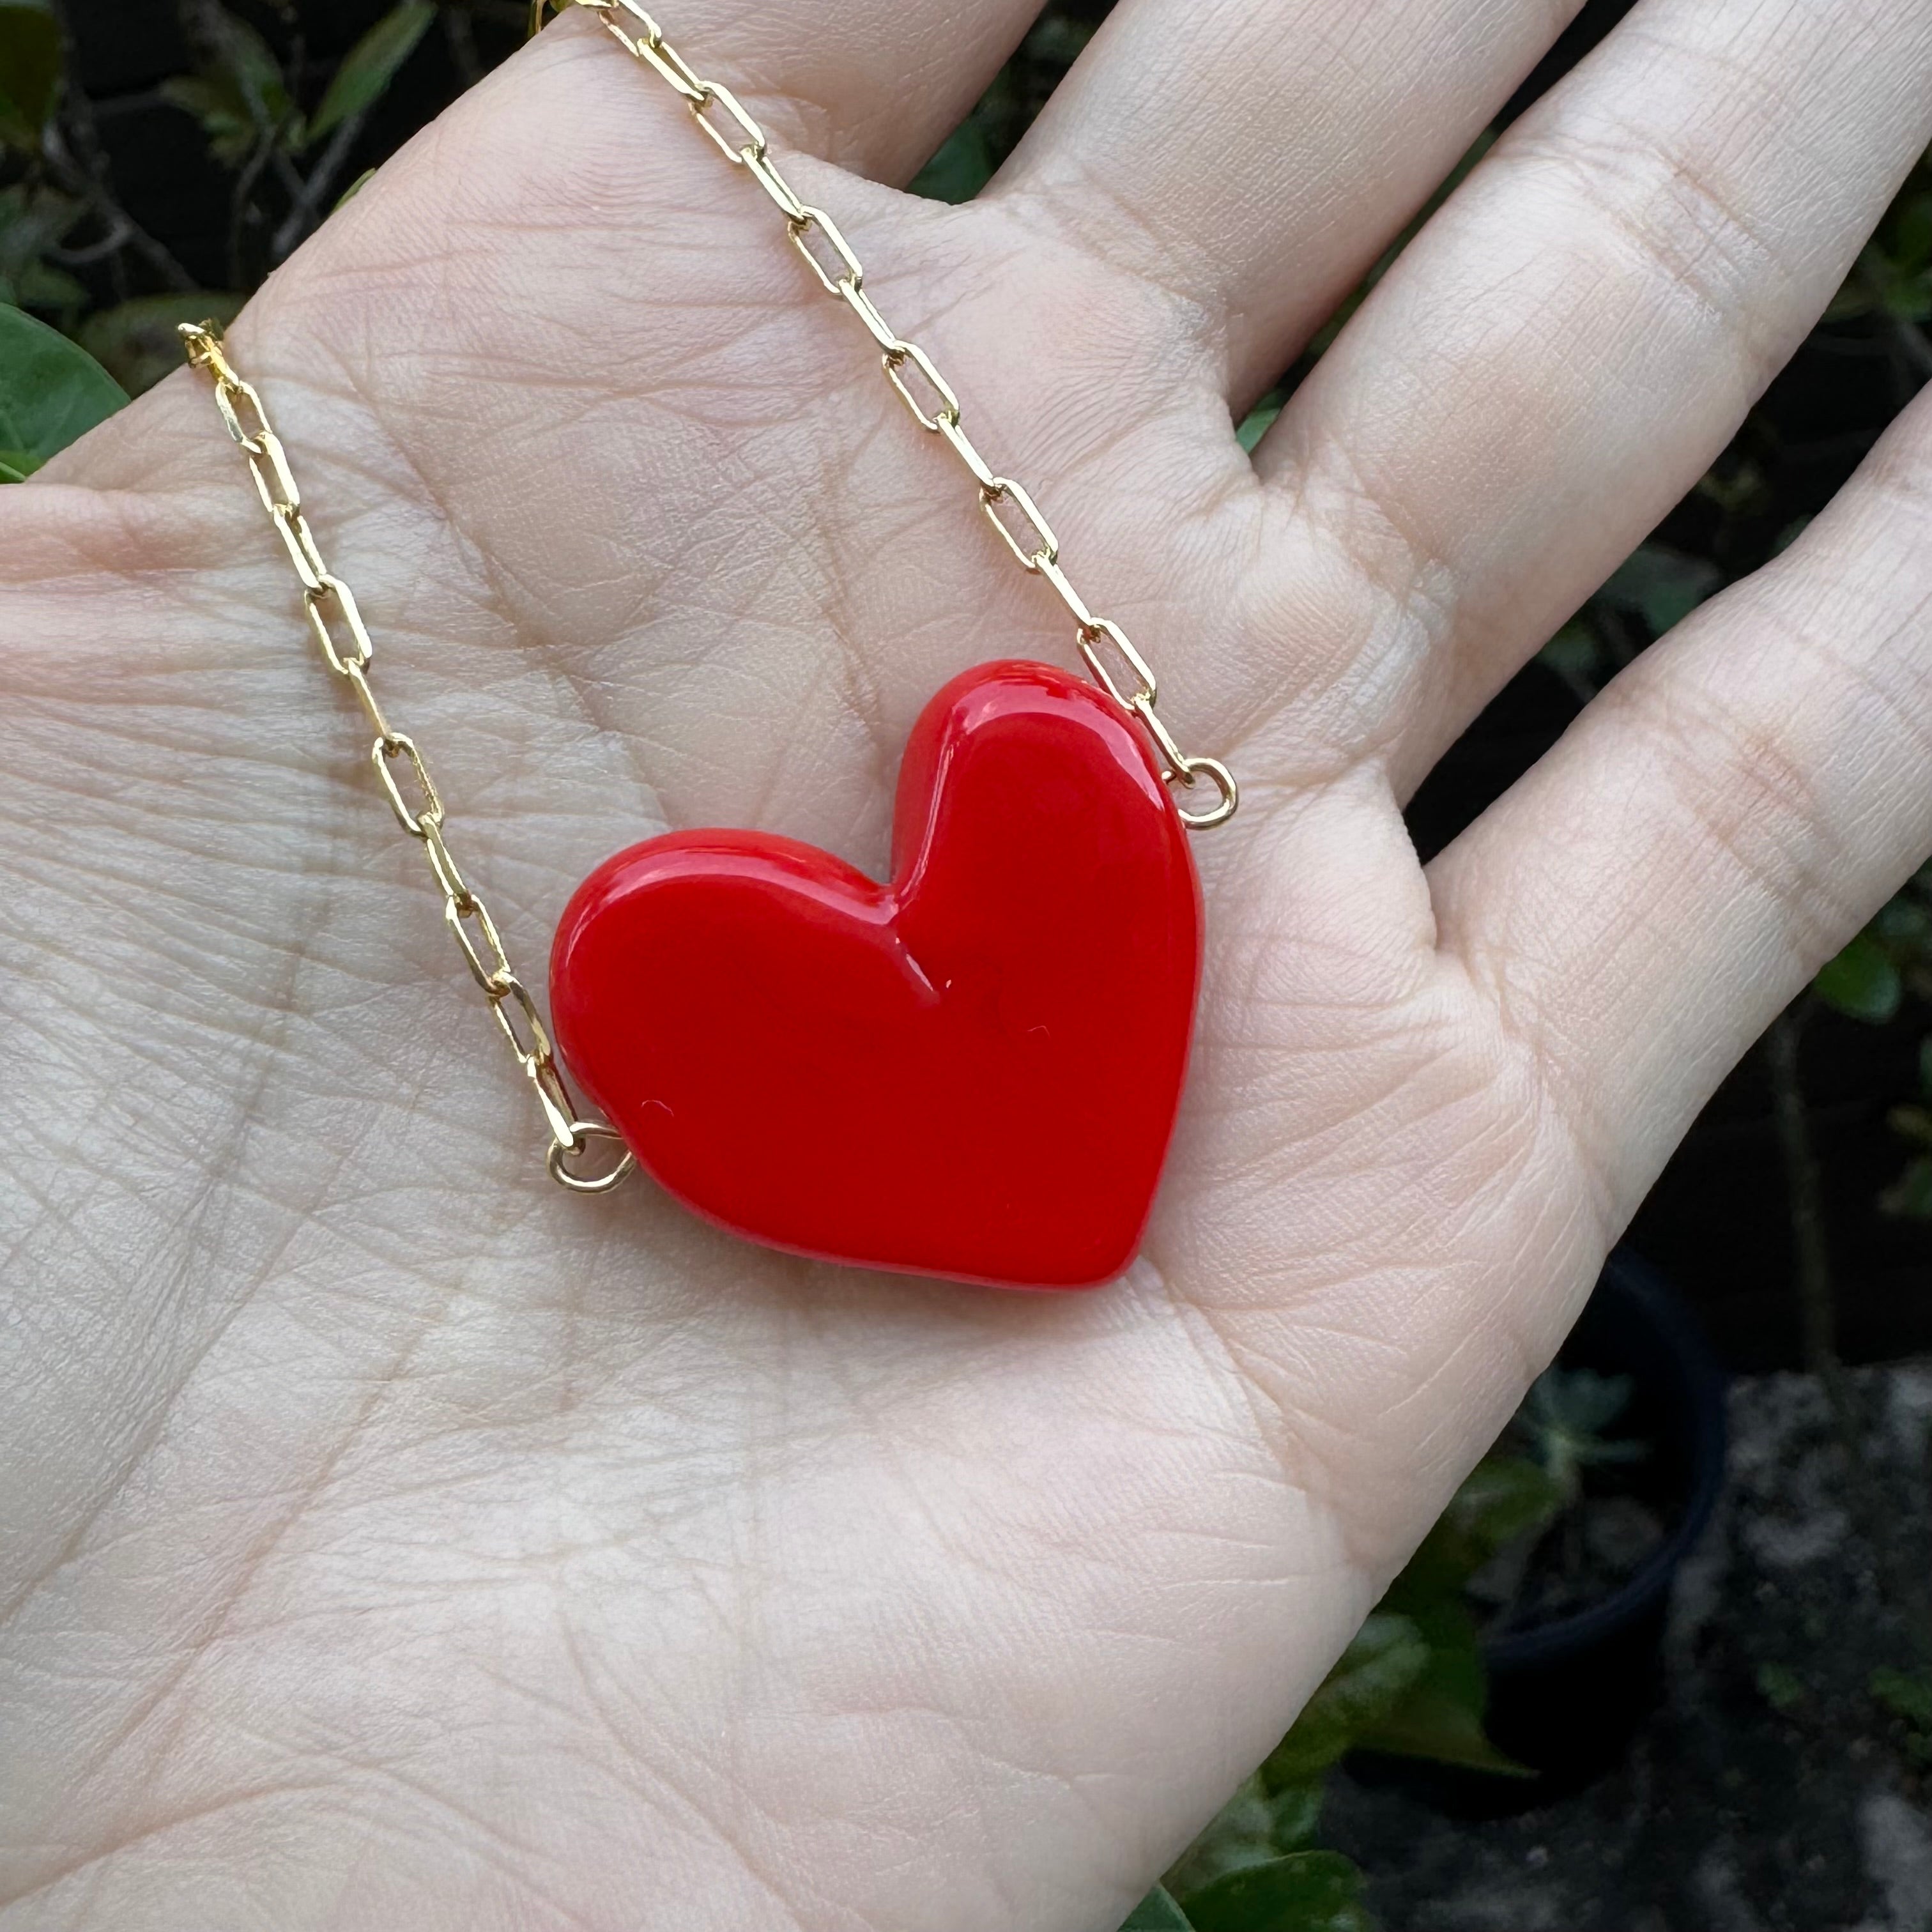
(971, 1072)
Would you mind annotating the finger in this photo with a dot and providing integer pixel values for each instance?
(874, 85)
(1574, 338)
(1258, 159)
(1715, 826)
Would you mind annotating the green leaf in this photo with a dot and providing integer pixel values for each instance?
(137, 343)
(1912, 234)
(1854, 298)
(962, 167)
(1576, 656)
(216, 101)
(16, 466)
(1503, 1498)
(370, 65)
(1256, 424)
(1579, 1401)
(1862, 983)
(1306, 1891)
(1781, 1687)
(39, 285)
(1444, 1725)
(1905, 1694)
(1241, 1833)
(1663, 586)
(1298, 1810)
(1738, 489)
(1254, 1827)
(1157, 1912)
(1909, 299)
(1388, 1657)
(1910, 1196)
(51, 392)
(1438, 1714)
(251, 62)
(1903, 927)
(228, 98)
(30, 72)
(1440, 1717)
(1565, 1415)
(1057, 41)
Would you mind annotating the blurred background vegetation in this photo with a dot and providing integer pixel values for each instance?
(159, 157)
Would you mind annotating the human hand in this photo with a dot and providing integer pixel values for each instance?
(390, 1541)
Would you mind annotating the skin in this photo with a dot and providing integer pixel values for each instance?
(391, 1540)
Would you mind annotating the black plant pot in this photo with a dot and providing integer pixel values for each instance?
(1566, 1696)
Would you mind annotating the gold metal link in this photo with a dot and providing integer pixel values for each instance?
(227, 389)
(775, 185)
(816, 221)
(203, 348)
(336, 619)
(1179, 769)
(881, 332)
(586, 1132)
(292, 528)
(316, 603)
(384, 752)
(554, 1099)
(359, 682)
(963, 447)
(522, 1026)
(669, 65)
(1224, 808)
(653, 33)
(606, 17)
(1149, 692)
(458, 901)
(1176, 760)
(1004, 490)
(1083, 618)
(268, 464)
(490, 974)
(753, 146)
(948, 411)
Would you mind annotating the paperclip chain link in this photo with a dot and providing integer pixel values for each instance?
(1110, 655)
(336, 619)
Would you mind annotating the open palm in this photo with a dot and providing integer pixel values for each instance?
(390, 1540)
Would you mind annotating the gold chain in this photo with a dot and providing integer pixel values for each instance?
(336, 619)
(337, 622)
(934, 405)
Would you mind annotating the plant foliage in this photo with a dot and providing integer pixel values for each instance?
(52, 392)
(1411, 1683)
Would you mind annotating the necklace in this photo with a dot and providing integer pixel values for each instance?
(971, 1072)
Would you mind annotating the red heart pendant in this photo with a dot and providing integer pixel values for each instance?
(972, 1072)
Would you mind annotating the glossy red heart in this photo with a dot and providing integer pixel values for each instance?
(972, 1072)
